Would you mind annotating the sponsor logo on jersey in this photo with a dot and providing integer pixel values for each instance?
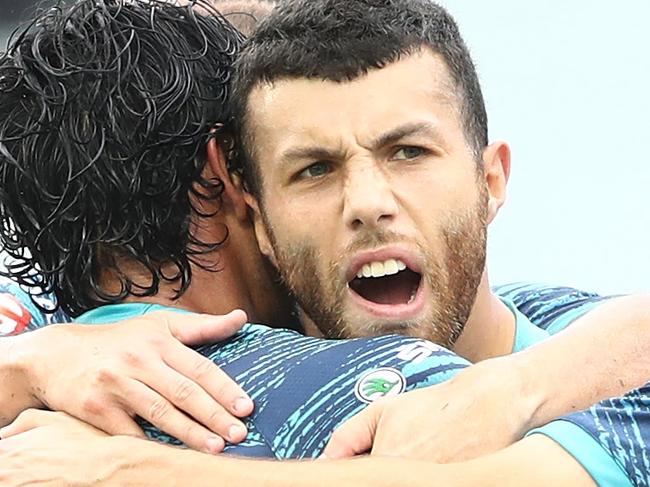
(417, 352)
(14, 317)
(379, 383)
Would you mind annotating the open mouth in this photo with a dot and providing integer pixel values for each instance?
(388, 282)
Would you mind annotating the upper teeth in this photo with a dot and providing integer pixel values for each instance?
(381, 269)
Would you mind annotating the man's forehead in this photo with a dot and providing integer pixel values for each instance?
(423, 69)
(416, 86)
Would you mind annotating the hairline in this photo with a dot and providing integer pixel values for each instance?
(459, 98)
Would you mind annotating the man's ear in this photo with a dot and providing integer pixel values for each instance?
(261, 232)
(232, 188)
(496, 169)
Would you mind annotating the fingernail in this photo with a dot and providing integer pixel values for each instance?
(242, 405)
(237, 432)
(214, 444)
(323, 457)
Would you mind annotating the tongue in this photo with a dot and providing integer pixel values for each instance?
(396, 289)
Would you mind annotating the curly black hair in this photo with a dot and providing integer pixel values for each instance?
(106, 107)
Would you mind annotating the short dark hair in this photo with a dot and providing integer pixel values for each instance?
(340, 40)
(105, 110)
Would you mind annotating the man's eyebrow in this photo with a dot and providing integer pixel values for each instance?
(297, 154)
(405, 130)
(315, 153)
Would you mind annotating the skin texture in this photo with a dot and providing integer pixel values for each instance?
(148, 371)
(352, 172)
(45, 441)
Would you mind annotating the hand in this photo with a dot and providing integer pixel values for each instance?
(481, 410)
(105, 375)
(55, 450)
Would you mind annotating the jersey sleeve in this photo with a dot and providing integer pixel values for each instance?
(19, 313)
(551, 308)
(611, 439)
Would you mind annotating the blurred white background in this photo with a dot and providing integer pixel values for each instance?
(567, 84)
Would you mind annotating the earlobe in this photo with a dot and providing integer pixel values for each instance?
(496, 159)
(261, 232)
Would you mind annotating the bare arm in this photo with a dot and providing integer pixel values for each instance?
(49, 447)
(534, 462)
(15, 392)
(602, 355)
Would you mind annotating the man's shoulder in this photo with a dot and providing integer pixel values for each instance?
(551, 308)
(299, 382)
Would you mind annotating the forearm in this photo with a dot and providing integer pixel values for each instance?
(525, 463)
(535, 461)
(15, 395)
(602, 355)
(154, 464)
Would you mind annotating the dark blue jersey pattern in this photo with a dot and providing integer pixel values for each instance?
(304, 387)
(332, 380)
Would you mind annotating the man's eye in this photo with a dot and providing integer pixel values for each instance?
(407, 153)
(315, 170)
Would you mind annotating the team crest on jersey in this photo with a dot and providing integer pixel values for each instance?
(379, 383)
(14, 317)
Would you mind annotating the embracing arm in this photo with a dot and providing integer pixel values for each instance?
(602, 355)
(535, 462)
(15, 393)
(106, 375)
(54, 449)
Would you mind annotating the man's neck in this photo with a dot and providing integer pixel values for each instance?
(209, 292)
(490, 329)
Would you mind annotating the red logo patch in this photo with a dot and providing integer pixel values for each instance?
(14, 317)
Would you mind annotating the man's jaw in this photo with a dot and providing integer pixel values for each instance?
(386, 284)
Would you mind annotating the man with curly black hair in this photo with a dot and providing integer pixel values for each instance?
(114, 184)
(123, 113)
(115, 277)
(117, 198)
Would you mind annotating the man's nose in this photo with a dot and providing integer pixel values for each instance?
(369, 198)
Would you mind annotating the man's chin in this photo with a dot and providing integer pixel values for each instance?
(363, 325)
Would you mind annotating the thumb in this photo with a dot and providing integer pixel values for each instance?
(355, 436)
(203, 328)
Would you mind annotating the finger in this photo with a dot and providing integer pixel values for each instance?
(186, 395)
(353, 437)
(28, 420)
(154, 408)
(116, 422)
(202, 328)
(215, 382)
